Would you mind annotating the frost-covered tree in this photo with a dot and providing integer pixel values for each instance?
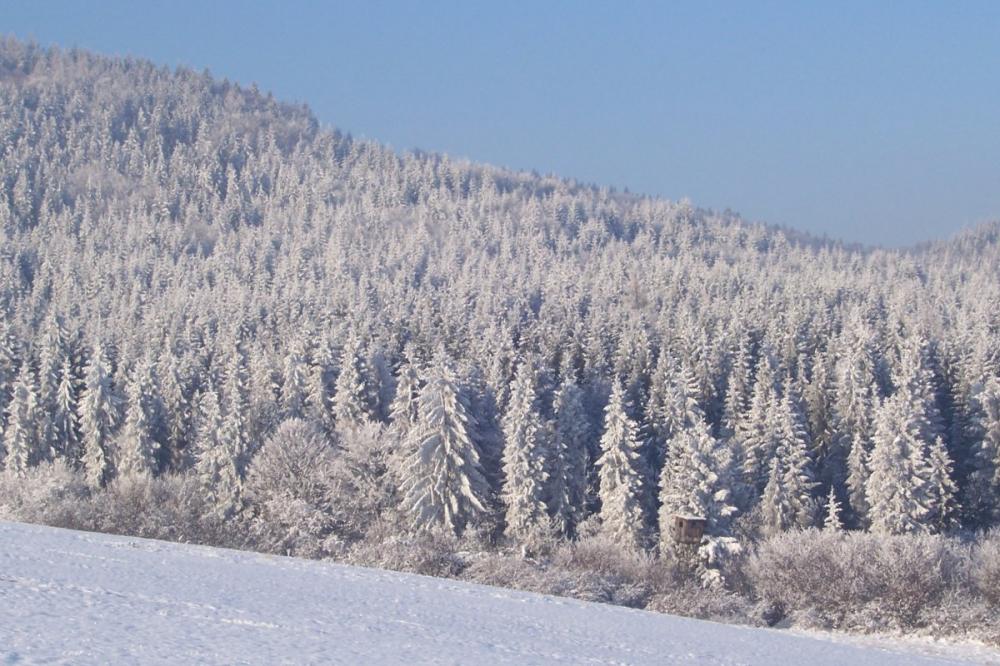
(21, 435)
(756, 433)
(65, 408)
(788, 500)
(353, 398)
(982, 492)
(857, 480)
(217, 465)
(137, 446)
(524, 460)
(697, 480)
(621, 490)
(403, 411)
(99, 417)
(295, 383)
(443, 484)
(942, 492)
(897, 485)
(571, 431)
(832, 521)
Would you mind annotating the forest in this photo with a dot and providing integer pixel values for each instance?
(225, 323)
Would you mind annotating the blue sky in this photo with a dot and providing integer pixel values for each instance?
(872, 122)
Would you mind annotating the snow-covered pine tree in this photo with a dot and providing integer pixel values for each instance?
(756, 434)
(319, 394)
(788, 500)
(524, 460)
(443, 483)
(621, 488)
(981, 496)
(857, 480)
(20, 437)
(216, 464)
(697, 480)
(570, 434)
(137, 447)
(294, 382)
(65, 419)
(896, 488)
(353, 397)
(832, 522)
(178, 413)
(236, 433)
(942, 491)
(403, 410)
(99, 407)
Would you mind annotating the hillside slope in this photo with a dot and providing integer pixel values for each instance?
(75, 597)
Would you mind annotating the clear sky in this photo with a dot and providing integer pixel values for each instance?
(867, 121)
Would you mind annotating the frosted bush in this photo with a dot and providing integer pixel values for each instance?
(290, 493)
(51, 494)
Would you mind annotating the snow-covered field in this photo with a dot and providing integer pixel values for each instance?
(81, 598)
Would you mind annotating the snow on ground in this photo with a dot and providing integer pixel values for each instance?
(80, 598)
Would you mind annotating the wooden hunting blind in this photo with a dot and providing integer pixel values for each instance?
(688, 529)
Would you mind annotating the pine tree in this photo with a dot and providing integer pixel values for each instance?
(697, 480)
(896, 488)
(756, 434)
(176, 452)
(942, 491)
(99, 406)
(982, 492)
(295, 383)
(524, 460)
(443, 484)
(403, 411)
(235, 425)
(353, 400)
(65, 421)
(137, 446)
(621, 489)
(832, 522)
(217, 464)
(20, 437)
(857, 480)
(570, 434)
(788, 500)
(319, 392)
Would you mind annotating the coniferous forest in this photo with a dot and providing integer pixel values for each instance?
(224, 323)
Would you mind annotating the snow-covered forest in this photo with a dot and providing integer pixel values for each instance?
(314, 345)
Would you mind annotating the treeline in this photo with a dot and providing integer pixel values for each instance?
(191, 271)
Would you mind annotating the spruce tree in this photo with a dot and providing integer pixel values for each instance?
(571, 432)
(524, 460)
(138, 449)
(896, 487)
(443, 484)
(942, 491)
(100, 407)
(20, 437)
(621, 490)
(697, 480)
(832, 522)
(982, 492)
(353, 399)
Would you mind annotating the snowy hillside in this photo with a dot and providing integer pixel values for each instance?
(75, 597)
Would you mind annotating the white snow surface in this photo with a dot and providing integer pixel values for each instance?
(81, 598)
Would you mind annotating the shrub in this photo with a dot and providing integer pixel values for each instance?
(170, 507)
(290, 490)
(986, 568)
(855, 580)
(52, 493)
